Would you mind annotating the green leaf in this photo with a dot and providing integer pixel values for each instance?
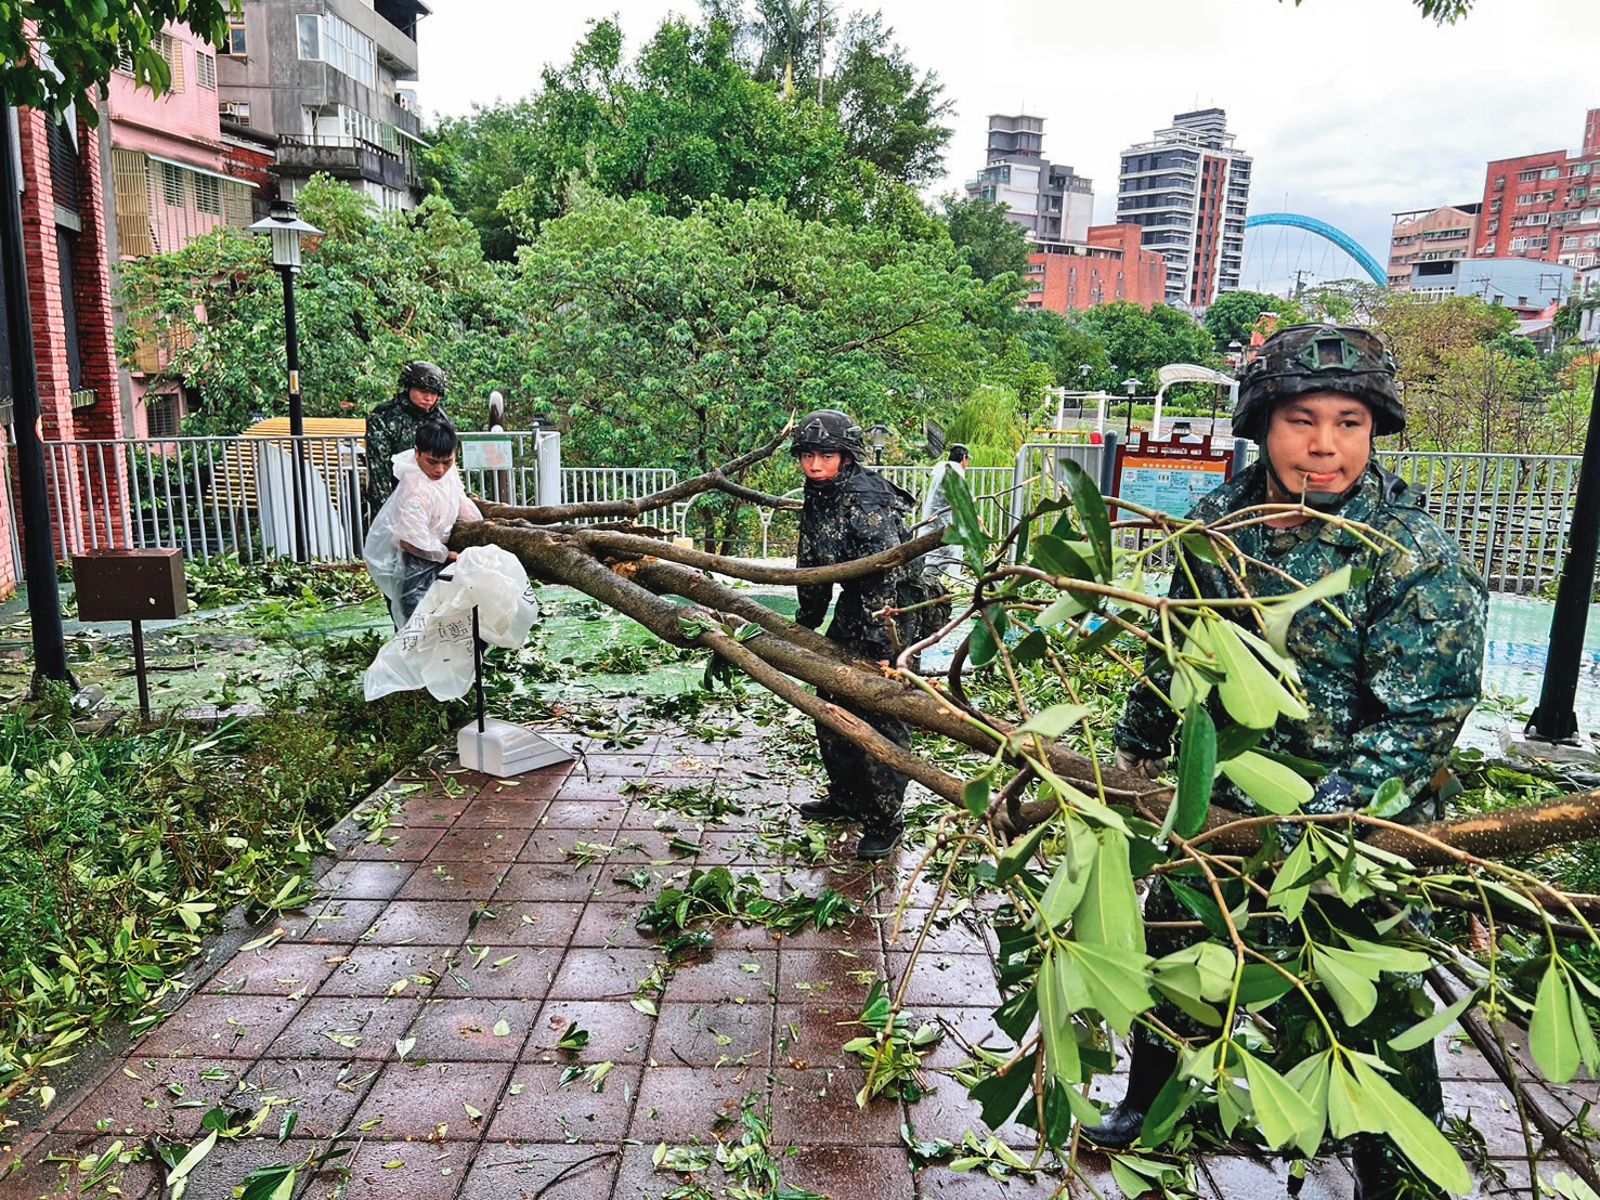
(1251, 693)
(1309, 1078)
(1213, 965)
(985, 645)
(975, 795)
(1426, 1031)
(1282, 1114)
(1197, 771)
(1053, 721)
(1281, 610)
(269, 1183)
(1260, 985)
(965, 529)
(1071, 877)
(1346, 981)
(999, 1095)
(1117, 981)
(1015, 856)
(1271, 785)
(1090, 506)
(1055, 1021)
(1056, 557)
(192, 1159)
(1291, 889)
(1385, 1110)
(1551, 1036)
(1109, 912)
(1390, 800)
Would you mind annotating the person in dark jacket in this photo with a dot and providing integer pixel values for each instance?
(392, 427)
(1388, 689)
(851, 512)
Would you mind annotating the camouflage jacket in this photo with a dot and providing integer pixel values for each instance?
(391, 428)
(855, 514)
(1387, 696)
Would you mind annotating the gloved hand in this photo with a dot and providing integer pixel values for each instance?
(1132, 760)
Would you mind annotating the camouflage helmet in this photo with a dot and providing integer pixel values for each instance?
(828, 429)
(1303, 359)
(423, 375)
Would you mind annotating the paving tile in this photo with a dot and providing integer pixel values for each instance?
(375, 970)
(492, 811)
(750, 974)
(645, 846)
(533, 785)
(546, 1171)
(818, 1108)
(939, 978)
(595, 974)
(209, 1026)
(325, 1094)
(464, 1030)
(356, 880)
(514, 973)
(398, 845)
(1223, 1177)
(812, 1036)
(1490, 1108)
(941, 1183)
(163, 1099)
(851, 1172)
(597, 816)
(968, 1027)
(219, 1173)
(478, 844)
(279, 970)
(415, 1099)
(618, 884)
(475, 881)
(711, 1034)
(837, 977)
(611, 923)
(529, 922)
(422, 923)
(678, 1104)
(537, 1107)
(629, 764)
(618, 1032)
(336, 921)
(377, 1023)
(565, 846)
(41, 1178)
(544, 881)
(953, 937)
(382, 1170)
(638, 1179)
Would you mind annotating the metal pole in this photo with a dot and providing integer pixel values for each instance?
(139, 670)
(477, 666)
(38, 539)
(1554, 719)
(297, 416)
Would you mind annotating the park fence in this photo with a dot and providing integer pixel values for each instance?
(235, 496)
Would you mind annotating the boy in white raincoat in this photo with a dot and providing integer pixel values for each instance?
(405, 548)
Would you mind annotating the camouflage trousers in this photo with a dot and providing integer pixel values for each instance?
(871, 791)
(1402, 1002)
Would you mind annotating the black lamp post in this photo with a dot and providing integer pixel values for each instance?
(286, 228)
(1132, 385)
(879, 434)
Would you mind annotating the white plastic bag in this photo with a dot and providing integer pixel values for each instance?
(434, 650)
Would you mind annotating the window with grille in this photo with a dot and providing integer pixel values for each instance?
(171, 49)
(172, 189)
(207, 195)
(205, 70)
(161, 414)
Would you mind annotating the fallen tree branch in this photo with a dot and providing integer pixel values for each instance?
(755, 572)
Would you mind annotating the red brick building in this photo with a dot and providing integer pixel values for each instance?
(1110, 266)
(66, 246)
(1545, 206)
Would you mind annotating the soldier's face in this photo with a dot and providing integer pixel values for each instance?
(1320, 442)
(821, 465)
(424, 399)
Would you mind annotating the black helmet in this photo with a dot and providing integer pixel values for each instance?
(1303, 359)
(423, 375)
(828, 429)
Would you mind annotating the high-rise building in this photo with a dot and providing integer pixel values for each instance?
(1189, 189)
(1545, 206)
(1426, 241)
(323, 77)
(1052, 202)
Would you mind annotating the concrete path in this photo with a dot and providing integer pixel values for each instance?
(422, 1006)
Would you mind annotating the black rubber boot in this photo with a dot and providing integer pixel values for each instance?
(829, 809)
(1379, 1175)
(879, 842)
(1148, 1073)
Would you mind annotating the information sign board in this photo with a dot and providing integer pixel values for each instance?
(1170, 477)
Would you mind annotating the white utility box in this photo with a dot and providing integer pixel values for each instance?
(503, 750)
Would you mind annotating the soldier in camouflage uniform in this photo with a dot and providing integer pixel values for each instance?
(1388, 695)
(392, 427)
(851, 512)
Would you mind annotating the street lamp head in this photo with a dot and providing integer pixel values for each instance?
(284, 224)
(1132, 385)
(879, 434)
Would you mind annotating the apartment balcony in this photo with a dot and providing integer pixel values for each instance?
(343, 158)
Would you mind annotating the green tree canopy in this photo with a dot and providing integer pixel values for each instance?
(1232, 315)
(990, 244)
(1139, 343)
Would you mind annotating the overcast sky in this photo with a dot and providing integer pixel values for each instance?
(1352, 109)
